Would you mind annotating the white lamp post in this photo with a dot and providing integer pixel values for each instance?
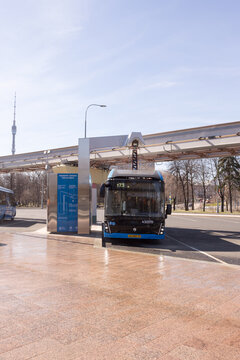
(100, 105)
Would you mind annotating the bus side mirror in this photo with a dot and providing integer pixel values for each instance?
(102, 190)
(169, 209)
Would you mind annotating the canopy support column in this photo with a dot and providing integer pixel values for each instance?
(84, 187)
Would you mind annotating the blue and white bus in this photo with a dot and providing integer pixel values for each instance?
(7, 204)
(134, 205)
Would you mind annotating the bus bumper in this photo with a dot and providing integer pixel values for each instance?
(133, 236)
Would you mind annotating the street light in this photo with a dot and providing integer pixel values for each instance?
(46, 152)
(100, 105)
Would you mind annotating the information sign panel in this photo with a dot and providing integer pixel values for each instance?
(67, 208)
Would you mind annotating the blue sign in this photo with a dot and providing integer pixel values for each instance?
(67, 208)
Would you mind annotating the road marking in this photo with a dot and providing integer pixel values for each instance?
(202, 252)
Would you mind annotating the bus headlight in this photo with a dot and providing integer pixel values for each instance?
(161, 229)
(106, 227)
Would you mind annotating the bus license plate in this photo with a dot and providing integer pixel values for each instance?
(134, 236)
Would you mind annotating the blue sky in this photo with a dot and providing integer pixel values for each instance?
(158, 65)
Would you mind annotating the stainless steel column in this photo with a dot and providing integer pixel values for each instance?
(84, 197)
(52, 203)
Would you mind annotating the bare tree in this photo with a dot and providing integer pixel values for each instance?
(172, 187)
(193, 172)
(204, 175)
(29, 188)
(220, 183)
(180, 169)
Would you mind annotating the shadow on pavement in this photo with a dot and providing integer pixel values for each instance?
(207, 240)
(180, 242)
(22, 222)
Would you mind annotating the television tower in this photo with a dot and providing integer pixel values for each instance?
(14, 127)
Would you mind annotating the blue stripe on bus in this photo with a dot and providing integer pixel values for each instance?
(133, 236)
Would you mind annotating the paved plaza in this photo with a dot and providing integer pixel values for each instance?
(213, 238)
(63, 298)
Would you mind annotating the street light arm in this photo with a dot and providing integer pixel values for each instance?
(100, 105)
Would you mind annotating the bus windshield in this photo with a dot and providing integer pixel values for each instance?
(134, 197)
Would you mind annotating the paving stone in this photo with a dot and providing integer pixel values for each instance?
(63, 299)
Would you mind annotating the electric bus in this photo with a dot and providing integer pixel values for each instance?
(7, 204)
(134, 205)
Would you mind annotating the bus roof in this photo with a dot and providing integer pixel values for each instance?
(3, 189)
(135, 173)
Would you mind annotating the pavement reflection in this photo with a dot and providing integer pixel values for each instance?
(63, 298)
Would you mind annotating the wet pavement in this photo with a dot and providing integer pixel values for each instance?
(214, 238)
(63, 298)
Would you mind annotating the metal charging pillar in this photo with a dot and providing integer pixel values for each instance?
(84, 187)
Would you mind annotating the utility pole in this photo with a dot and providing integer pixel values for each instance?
(14, 127)
(14, 131)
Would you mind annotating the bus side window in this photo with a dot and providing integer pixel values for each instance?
(7, 200)
(3, 200)
(12, 200)
(102, 191)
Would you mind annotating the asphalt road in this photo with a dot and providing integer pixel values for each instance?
(26, 220)
(208, 238)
